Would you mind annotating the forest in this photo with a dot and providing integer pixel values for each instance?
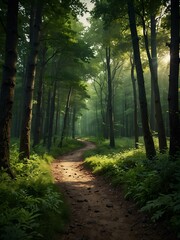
(98, 78)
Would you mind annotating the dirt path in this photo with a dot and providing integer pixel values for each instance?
(98, 211)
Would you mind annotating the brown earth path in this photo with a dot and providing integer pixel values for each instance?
(98, 212)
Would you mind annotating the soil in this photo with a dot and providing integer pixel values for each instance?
(99, 211)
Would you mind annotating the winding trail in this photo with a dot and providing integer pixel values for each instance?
(98, 212)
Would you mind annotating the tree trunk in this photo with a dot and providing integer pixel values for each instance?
(154, 78)
(51, 119)
(74, 121)
(38, 113)
(148, 140)
(136, 134)
(65, 117)
(152, 108)
(154, 63)
(98, 130)
(17, 107)
(57, 118)
(173, 81)
(38, 126)
(110, 108)
(154, 84)
(46, 124)
(30, 78)
(8, 84)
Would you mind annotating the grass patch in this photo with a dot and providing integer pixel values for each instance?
(103, 147)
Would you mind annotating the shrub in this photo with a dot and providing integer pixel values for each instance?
(28, 201)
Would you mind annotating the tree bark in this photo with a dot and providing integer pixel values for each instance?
(73, 121)
(57, 119)
(103, 113)
(65, 117)
(38, 113)
(110, 107)
(17, 107)
(152, 59)
(8, 84)
(36, 18)
(46, 124)
(136, 134)
(154, 62)
(148, 140)
(173, 81)
(51, 117)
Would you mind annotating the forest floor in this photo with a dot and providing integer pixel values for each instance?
(99, 211)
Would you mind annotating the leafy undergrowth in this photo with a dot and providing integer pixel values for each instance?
(103, 147)
(153, 185)
(31, 207)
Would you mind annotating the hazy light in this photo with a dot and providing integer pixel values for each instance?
(86, 15)
(90, 81)
(166, 58)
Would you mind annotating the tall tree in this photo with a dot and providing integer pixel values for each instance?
(109, 106)
(38, 111)
(99, 87)
(38, 114)
(152, 58)
(47, 118)
(35, 27)
(136, 134)
(8, 83)
(173, 81)
(64, 127)
(51, 115)
(73, 120)
(148, 140)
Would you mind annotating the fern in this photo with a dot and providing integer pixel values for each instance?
(27, 202)
(21, 221)
(51, 201)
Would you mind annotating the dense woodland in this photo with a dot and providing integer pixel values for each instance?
(117, 77)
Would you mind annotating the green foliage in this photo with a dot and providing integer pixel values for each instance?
(153, 185)
(167, 203)
(104, 149)
(28, 201)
